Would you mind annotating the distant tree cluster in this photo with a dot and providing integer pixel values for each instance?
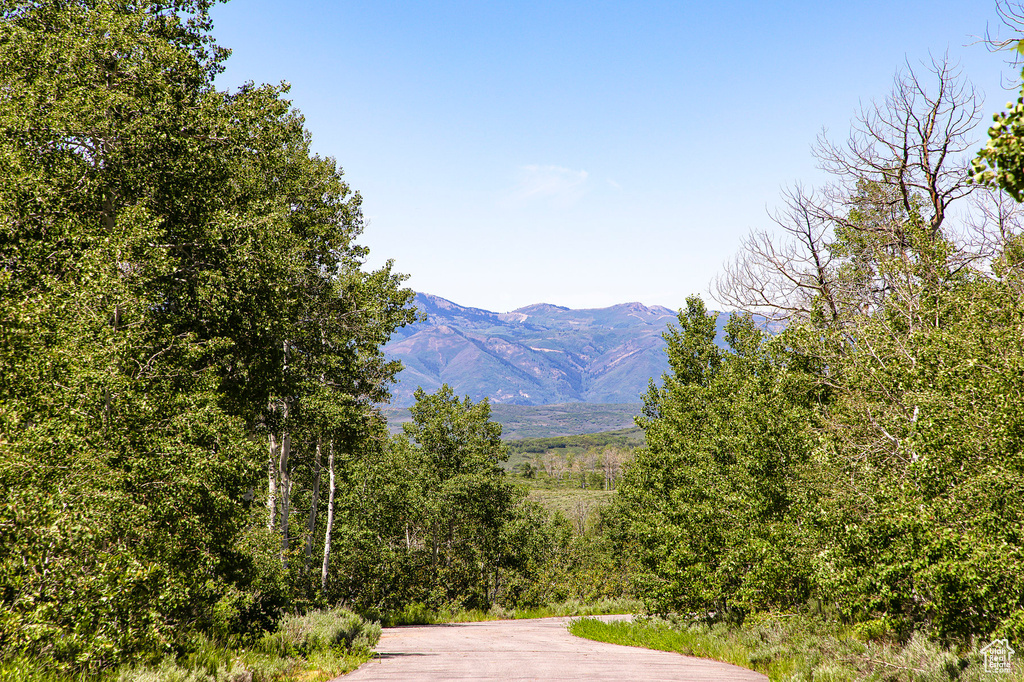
(870, 456)
(594, 461)
(591, 468)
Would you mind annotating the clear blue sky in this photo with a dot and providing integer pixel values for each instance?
(584, 153)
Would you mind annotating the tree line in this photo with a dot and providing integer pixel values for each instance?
(594, 460)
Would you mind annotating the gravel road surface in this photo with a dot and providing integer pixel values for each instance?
(540, 649)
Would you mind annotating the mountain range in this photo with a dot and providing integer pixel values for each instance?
(538, 355)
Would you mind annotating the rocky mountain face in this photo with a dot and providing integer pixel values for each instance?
(538, 355)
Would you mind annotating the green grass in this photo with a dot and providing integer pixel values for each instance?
(798, 648)
(651, 635)
(567, 500)
(417, 614)
(318, 666)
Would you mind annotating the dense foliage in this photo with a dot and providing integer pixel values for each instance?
(173, 260)
(711, 503)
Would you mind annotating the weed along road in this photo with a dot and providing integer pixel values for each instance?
(540, 649)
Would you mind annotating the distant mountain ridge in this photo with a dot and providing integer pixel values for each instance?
(541, 354)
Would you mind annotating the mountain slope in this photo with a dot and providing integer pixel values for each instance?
(538, 355)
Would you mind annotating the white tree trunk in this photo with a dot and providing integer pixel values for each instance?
(330, 517)
(286, 494)
(272, 482)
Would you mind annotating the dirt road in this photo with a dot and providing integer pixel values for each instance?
(540, 649)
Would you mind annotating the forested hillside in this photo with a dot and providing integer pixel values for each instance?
(544, 421)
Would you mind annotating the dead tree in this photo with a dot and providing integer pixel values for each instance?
(903, 165)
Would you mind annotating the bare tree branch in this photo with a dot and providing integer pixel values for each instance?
(916, 141)
(905, 162)
(783, 279)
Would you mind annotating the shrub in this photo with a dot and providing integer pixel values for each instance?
(315, 631)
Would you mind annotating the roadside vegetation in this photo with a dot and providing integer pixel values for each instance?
(314, 647)
(801, 647)
(868, 454)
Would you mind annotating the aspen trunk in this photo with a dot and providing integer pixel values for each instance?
(314, 505)
(283, 477)
(434, 546)
(286, 494)
(272, 482)
(330, 517)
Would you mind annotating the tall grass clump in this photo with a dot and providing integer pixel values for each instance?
(171, 671)
(337, 629)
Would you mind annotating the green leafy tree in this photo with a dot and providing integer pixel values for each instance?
(167, 253)
(1000, 163)
(429, 515)
(922, 448)
(466, 497)
(709, 506)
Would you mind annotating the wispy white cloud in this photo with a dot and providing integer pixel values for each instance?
(614, 185)
(561, 186)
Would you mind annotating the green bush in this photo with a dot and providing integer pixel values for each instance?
(337, 629)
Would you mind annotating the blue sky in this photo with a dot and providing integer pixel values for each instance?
(584, 153)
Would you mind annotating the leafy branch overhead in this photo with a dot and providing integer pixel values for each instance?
(999, 163)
